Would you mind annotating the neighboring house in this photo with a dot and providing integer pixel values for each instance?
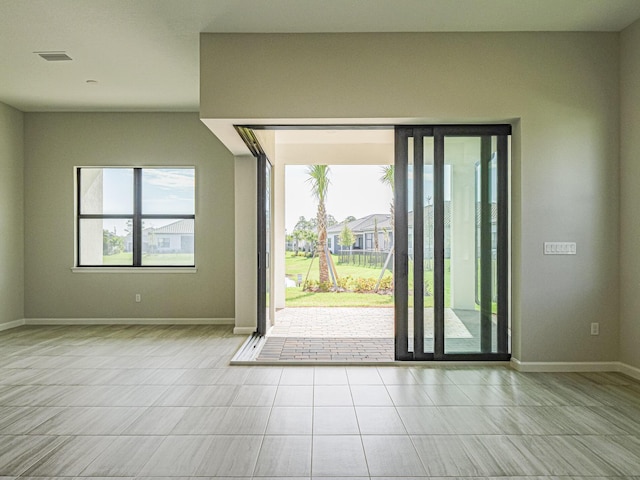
(363, 231)
(448, 217)
(299, 245)
(176, 237)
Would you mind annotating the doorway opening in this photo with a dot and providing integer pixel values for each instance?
(338, 264)
(333, 264)
(423, 278)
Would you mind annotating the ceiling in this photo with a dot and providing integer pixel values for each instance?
(142, 55)
(291, 136)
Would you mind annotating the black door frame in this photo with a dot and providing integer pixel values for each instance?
(262, 259)
(263, 255)
(401, 228)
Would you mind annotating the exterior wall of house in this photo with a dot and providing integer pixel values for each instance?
(560, 91)
(630, 196)
(11, 216)
(169, 243)
(58, 142)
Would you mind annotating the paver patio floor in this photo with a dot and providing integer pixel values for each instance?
(344, 334)
(330, 334)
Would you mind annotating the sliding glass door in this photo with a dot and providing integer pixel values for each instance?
(451, 226)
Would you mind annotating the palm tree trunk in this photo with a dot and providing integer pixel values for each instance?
(322, 243)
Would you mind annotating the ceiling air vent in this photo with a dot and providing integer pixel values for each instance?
(54, 56)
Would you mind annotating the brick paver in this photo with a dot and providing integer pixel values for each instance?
(327, 349)
(341, 334)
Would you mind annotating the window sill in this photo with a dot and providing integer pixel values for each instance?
(162, 270)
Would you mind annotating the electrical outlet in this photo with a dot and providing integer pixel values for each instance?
(139, 298)
(595, 328)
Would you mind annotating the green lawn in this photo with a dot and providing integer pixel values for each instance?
(300, 265)
(296, 297)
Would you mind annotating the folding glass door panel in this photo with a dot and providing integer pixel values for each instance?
(452, 239)
(264, 244)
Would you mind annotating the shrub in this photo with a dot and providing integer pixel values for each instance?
(310, 285)
(364, 285)
(386, 283)
(351, 284)
(344, 283)
(316, 286)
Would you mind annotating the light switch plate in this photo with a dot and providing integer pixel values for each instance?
(559, 248)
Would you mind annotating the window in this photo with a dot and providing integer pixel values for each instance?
(135, 217)
(368, 241)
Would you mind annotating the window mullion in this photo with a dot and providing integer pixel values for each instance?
(137, 217)
(79, 212)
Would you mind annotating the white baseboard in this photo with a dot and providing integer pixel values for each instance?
(632, 372)
(244, 330)
(565, 366)
(129, 321)
(13, 324)
(620, 367)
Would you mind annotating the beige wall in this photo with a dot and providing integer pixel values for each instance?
(11, 216)
(630, 196)
(246, 248)
(559, 90)
(55, 144)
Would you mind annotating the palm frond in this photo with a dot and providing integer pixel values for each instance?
(387, 176)
(319, 181)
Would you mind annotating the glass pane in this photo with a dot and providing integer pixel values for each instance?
(470, 244)
(410, 316)
(168, 242)
(267, 203)
(428, 259)
(491, 261)
(167, 191)
(105, 242)
(105, 191)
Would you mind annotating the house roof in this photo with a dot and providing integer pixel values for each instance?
(366, 224)
(363, 224)
(181, 227)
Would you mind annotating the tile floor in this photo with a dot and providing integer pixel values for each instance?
(162, 402)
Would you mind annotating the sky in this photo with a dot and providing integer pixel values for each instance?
(164, 191)
(355, 190)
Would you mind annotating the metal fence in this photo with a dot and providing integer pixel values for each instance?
(363, 258)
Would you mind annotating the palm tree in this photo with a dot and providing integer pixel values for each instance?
(298, 236)
(319, 181)
(387, 179)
